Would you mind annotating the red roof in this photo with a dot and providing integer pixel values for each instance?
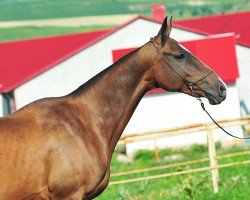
(21, 61)
(237, 23)
(221, 59)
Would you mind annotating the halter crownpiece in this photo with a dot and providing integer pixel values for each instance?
(190, 86)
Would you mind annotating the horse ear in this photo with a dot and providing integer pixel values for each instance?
(164, 32)
(169, 27)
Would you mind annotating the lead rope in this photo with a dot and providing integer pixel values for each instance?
(190, 85)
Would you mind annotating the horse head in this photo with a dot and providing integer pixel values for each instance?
(177, 69)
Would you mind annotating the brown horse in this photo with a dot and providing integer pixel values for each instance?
(60, 148)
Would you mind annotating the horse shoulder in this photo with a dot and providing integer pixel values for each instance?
(77, 160)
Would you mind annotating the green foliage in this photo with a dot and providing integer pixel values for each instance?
(47, 9)
(121, 149)
(20, 33)
(234, 182)
(144, 155)
(11, 10)
(218, 145)
(194, 185)
(198, 148)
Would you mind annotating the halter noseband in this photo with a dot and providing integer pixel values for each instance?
(190, 86)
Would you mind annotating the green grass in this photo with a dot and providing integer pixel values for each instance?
(20, 33)
(234, 181)
(47, 9)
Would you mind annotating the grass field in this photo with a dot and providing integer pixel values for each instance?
(21, 33)
(234, 182)
(47, 9)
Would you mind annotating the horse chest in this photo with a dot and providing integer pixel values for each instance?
(72, 170)
(83, 183)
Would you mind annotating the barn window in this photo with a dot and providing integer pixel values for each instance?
(9, 105)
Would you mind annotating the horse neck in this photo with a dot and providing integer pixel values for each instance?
(113, 95)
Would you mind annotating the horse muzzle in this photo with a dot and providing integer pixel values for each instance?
(216, 96)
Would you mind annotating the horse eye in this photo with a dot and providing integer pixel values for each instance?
(180, 57)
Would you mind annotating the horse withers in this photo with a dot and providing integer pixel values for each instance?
(60, 148)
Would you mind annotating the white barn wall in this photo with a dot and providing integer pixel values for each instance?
(243, 57)
(176, 109)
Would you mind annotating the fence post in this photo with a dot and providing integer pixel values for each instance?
(156, 151)
(212, 157)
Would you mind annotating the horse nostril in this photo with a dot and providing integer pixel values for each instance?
(222, 91)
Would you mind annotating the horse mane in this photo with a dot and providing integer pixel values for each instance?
(92, 81)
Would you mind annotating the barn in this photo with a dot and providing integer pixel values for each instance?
(55, 66)
(234, 22)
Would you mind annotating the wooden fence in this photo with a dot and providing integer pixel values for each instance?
(208, 127)
(177, 165)
(151, 135)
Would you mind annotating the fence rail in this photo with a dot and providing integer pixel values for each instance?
(150, 135)
(132, 180)
(208, 127)
(161, 167)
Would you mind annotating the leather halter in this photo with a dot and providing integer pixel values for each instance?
(190, 86)
(188, 83)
